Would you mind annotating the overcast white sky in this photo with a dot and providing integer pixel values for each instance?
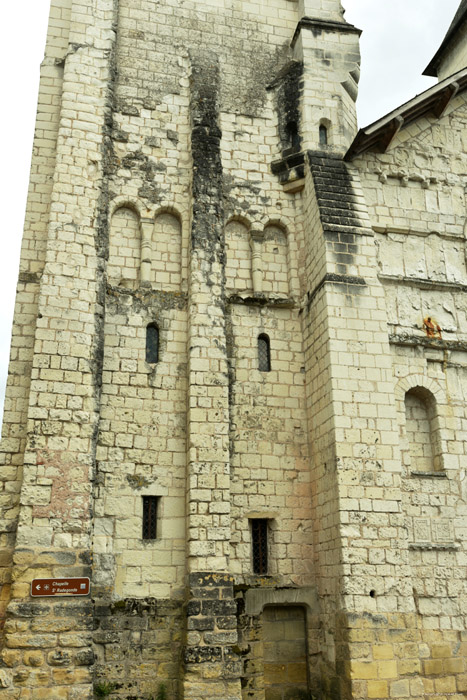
(399, 39)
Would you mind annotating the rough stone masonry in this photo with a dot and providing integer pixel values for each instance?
(238, 375)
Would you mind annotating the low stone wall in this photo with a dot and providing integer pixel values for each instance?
(138, 646)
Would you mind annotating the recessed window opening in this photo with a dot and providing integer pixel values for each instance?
(421, 430)
(264, 353)
(152, 343)
(259, 544)
(150, 504)
(323, 135)
(292, 133)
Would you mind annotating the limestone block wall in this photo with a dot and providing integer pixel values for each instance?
(227, 322)
(415, 194)
(152, 264)
(54, 529)
(138, 642)
(269, 446)
(352, 415)
(31, 267)
(142, 449)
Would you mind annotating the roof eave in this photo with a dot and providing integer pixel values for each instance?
(432, 68)
(378, 135)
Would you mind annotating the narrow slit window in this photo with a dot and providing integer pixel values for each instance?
(152, 343)
(150, 504)
(259, 543)
(292, 134)
(264, 353)
(323, 135)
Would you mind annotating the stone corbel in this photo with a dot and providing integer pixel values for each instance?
(389, 133)
(404, 177)
(445, 98)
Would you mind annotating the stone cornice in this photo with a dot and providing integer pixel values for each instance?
(320, 25)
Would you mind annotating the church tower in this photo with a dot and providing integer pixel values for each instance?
(202, 463)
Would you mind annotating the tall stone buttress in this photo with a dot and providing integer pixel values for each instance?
(236, 398)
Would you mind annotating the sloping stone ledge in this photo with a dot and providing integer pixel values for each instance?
(407, 340)
(434, 546)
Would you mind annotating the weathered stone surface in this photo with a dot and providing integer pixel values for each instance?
(190, 208)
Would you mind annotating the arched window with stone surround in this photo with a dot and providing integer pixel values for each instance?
(422, 430)
(323, 135)
(152, 343)
(264, 353)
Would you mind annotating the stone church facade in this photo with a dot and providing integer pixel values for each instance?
(238, 376)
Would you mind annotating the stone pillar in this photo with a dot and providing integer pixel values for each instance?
(354, 428)
(48, 640)
(146, 251)
(256, 238)
(210, 668)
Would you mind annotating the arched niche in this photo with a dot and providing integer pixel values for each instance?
(275, 258)
(166, 248)
(124, 247)
(238, 277)
(422, 433)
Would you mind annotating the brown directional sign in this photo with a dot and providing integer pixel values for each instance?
(41, 587)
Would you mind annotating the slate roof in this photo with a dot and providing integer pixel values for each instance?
(459, 18)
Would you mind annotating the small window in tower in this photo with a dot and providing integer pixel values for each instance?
(323, 135)
(292, 134)
(259, 545)
(150, 504)
(152, 343)
(264, 353)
